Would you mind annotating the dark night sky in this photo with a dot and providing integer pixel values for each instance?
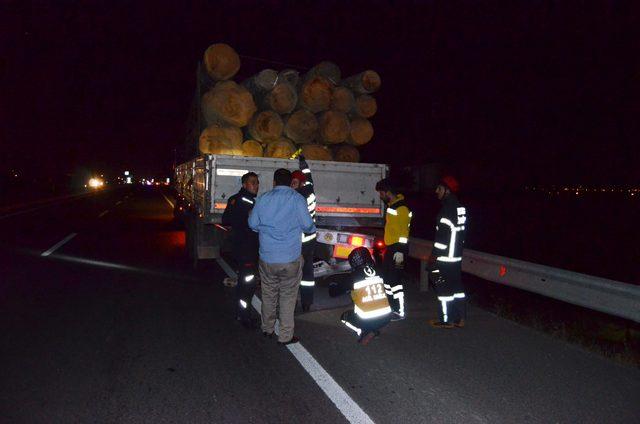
(499, 92)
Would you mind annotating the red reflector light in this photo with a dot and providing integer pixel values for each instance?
(356, 241)
(380, 243)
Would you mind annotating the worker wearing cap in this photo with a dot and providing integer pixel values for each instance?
(302, 182)
(371, 310)
(396, 238)
(446, 256)
(244, 244)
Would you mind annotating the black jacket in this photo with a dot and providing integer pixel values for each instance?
(450, 231)
(306, 190)
(236, 215)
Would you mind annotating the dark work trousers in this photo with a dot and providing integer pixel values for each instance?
(450, 292)
(363, 326)
(308, 282)
(246, 287)
(393, 287)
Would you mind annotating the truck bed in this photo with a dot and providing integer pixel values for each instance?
(345, 192)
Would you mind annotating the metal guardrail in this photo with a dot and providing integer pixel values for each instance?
(600, 294)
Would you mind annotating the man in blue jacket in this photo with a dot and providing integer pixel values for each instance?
(280, 216)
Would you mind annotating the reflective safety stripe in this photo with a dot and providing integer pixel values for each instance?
(397, 288)
(403, 240)
(461, 211)
(439, 246)
(435, 270)
(392, 211)
(306, 171)
(448, 259)
(410, 214)
(247, 200)
(243, 304)
(462, 219)
(311, 199)
(310, 237)
(443, 300)
(307, 182)
(248, 278)
(371, 314)
(459, 295)
(307, 283)
(353, 327)
(400, 297)
(367, 281)
(311, 207)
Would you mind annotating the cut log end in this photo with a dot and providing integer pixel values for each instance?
(221, 140)
(265, 126)
(229, 103)
(315, 94)
(221, 61)
(283, 98)
(333, 127)
(252, 148)
(361, 132)
(365, 106)
(342, 99)
(282, 148)
(316, 152)
(346, 153)
(301, 126)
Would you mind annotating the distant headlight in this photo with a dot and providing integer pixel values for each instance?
(95, 183)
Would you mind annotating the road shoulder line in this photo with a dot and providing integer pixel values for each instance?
(58, 245)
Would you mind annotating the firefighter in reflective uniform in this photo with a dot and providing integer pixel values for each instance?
(302, 182)
(396, 238)
(371, 310)
(446, 257)
(244, 245)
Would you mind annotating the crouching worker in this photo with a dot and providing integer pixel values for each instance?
(371, 310)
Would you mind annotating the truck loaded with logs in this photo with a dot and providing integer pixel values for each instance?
(257, 125)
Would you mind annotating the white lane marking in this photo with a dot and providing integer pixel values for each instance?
(103, 214)
(58, 245)
(341, 399)
(349, 408)
(118, 202)
(171, 204)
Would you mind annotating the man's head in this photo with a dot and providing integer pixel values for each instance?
(282, 177)
(297, 179)
(447, 185)
(386, 190)
(250, 182)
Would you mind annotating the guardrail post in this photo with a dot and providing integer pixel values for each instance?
(424, 277)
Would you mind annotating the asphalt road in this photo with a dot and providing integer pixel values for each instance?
(113, 326)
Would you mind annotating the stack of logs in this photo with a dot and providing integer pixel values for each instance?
(273, 113)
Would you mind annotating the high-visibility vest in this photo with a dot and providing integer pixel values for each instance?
(369, 298)
(397, 222)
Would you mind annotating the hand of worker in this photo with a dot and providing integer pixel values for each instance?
(398, 258)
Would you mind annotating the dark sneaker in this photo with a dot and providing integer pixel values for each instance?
(459, 324)
(267, 335)
(396, 316)
(294, 339)
(435, 323)
(366, 338)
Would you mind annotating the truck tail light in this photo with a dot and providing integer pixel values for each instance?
(356, 241)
